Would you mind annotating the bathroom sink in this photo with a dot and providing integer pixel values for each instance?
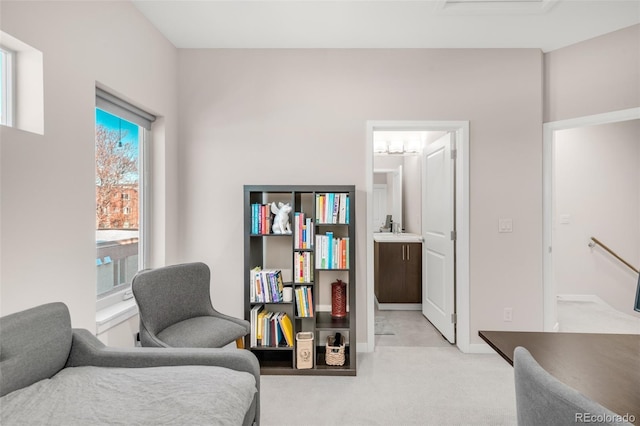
(390, 237)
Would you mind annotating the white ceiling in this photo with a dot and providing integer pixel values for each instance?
(544, 24)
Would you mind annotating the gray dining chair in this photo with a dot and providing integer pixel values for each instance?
(541, 399)
(176, 309)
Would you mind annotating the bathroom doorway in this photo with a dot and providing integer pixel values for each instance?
(460, 130)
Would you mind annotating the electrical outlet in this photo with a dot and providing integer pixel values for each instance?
(507, 315)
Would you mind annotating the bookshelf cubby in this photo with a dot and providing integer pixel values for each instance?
(319, 251)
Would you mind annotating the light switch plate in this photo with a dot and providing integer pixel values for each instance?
(505, 225)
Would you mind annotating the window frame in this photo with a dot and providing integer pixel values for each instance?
(122, 293)
(7, 81)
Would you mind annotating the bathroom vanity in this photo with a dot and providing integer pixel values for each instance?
(397, 268)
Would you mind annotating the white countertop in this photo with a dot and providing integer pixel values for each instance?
(390, 237)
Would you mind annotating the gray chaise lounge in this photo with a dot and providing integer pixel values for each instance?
(53, 374)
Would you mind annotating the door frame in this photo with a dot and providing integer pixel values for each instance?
(461, 130)
(550, 316)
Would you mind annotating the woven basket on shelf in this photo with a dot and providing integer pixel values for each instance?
(335, 353)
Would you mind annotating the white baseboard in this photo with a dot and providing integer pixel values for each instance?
(579, 298)
(365, 347)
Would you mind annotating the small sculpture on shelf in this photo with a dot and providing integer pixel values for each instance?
(281, 220)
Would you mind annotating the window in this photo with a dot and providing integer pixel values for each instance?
(122, 133)
(6, 86)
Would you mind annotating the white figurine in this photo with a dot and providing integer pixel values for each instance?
(281, 221)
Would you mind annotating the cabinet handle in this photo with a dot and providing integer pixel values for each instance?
(403, 246)
(408, 248)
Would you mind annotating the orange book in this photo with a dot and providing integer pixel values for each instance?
(310, 301)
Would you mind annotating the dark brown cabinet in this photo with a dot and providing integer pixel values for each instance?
(398, 272)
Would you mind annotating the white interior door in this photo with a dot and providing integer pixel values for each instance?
(438, 226)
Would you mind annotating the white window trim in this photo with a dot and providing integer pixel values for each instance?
(115, 314)
(8, 86)
(27, 85)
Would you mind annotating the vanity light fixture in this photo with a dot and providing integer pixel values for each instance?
(396, 147)
(379, 146)
(412, 145)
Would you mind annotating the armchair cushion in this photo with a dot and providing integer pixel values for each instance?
(179, 395)
(201, 332)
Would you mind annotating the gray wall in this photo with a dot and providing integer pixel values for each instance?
(279, 117)
(48, 181)
(299, 117)
(592, 77)
(597, 184)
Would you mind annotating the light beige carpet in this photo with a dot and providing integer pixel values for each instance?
(398, 386)
(383, 326)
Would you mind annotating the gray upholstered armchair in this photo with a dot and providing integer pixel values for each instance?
(541, 399)
(176, 310)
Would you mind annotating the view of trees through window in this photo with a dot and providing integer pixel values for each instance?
(118, 197)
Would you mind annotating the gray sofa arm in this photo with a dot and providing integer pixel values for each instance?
(87, 350)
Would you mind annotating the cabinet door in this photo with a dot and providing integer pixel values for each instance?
(390, 272)
(413, 272)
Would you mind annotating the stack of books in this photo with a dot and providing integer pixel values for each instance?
(304, 301)
(332, 208)
(260, 218)
(303, 267)
(303, 230)
(331, 252)
(266, 285)
(270, 329)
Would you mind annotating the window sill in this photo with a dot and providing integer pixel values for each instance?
(115, 314)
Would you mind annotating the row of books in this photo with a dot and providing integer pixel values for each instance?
(332, 207)
(303, 267)
(304, 301)
(270, 329)
(332, 252)
(266, 285)
(260, 218)
(303, 230)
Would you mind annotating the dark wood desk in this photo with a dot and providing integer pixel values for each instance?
(604, 367)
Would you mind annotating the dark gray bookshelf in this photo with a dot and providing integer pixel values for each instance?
(278, 251)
